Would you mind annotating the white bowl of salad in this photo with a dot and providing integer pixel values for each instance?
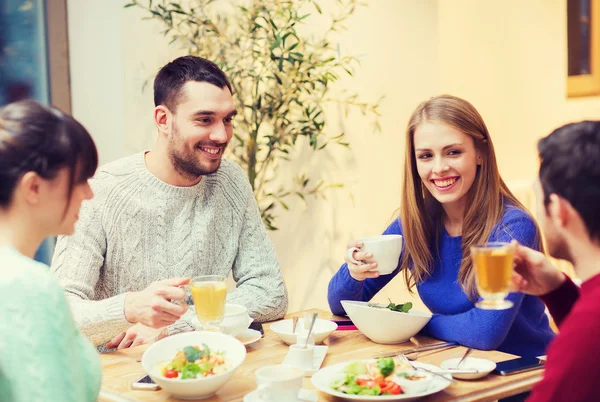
(193, 365)
(401, 320)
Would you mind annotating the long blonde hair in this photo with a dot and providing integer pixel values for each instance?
(421, 214)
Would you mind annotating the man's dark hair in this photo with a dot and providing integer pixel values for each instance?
(570, 168)
(172, 77)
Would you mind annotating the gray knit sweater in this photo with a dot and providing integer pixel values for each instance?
(138, 229)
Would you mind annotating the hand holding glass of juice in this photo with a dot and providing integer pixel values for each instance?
(208, 293)
(493, 265)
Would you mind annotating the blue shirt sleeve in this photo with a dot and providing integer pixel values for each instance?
(485, 329)
(344, 287)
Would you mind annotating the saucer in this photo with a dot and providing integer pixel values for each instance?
(318, 357)
(305, 395)
(249, 336)
(483, 367)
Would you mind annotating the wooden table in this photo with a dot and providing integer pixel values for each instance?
(122, 367)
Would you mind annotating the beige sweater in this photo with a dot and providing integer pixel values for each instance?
(138, 229)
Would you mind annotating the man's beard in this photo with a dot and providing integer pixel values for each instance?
(186, 162)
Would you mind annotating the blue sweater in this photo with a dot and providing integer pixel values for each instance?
(522, 330)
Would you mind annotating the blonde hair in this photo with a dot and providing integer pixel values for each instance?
(421, 214)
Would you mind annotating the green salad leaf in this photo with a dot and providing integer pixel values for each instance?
(386, 366)
(355, 369)
(401, 308)
(192, 354)
(190, 370)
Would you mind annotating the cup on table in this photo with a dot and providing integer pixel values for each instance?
(385, 250)
(235, 319)
(301, 356)
(279, 383)
(208, 293)
(493, 265)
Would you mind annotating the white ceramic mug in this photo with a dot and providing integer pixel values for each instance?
(279, 383)
(235, 319)
(301, 357)
(385, 249)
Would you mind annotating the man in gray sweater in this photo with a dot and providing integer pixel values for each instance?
(163, 216)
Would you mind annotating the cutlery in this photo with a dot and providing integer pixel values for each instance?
(419, 349)
(312, 325)
(467, 353)
(294, 323)
(405, 359)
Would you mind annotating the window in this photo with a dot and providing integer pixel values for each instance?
(583, 40)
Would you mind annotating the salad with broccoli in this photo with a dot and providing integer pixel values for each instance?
(369, 378)
(195, 362)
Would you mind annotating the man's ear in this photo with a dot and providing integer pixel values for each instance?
(162, 119)
(559, 210)
(30, 188)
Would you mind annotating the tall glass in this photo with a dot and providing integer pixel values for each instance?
(208, 293)
(493, 265)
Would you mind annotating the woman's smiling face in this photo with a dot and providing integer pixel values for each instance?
(446, 161)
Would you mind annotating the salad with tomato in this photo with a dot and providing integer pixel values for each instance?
(195, 362)
(369, 378)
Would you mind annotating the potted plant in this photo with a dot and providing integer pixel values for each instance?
(282, 80)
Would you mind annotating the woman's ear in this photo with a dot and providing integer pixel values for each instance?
(479, 159)
(30, 188)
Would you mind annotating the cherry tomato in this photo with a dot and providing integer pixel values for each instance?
(171, 374)
(392, 388)
(363, 382)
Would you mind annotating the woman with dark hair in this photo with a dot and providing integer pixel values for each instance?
(46, 159)
(453, 199)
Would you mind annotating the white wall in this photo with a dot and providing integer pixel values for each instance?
(510, 59)
(96, 72)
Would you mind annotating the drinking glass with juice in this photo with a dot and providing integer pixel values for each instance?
(208, 293)
(493, 265)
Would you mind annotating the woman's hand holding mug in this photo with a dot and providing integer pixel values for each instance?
(372, 256)
(358, 268)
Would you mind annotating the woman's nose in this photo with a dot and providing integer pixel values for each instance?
(440, 166)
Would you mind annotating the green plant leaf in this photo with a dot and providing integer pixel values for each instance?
(281, 81)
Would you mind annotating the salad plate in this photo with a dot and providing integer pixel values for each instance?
(327, 376)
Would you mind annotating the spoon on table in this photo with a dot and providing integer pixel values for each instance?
(312, 325)
(467, 353)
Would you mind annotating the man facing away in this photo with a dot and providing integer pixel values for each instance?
(569, 216)
(163, 216)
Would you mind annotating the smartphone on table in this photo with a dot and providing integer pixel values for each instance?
(518, 365)
(145, 383)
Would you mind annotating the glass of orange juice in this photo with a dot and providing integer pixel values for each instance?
(493, 265)
(208, 293)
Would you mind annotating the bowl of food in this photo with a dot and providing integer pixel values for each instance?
(193, 365)
(321, 330)
(401, 320)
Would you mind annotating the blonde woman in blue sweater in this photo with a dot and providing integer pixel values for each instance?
(453, 198)
(46, 158)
